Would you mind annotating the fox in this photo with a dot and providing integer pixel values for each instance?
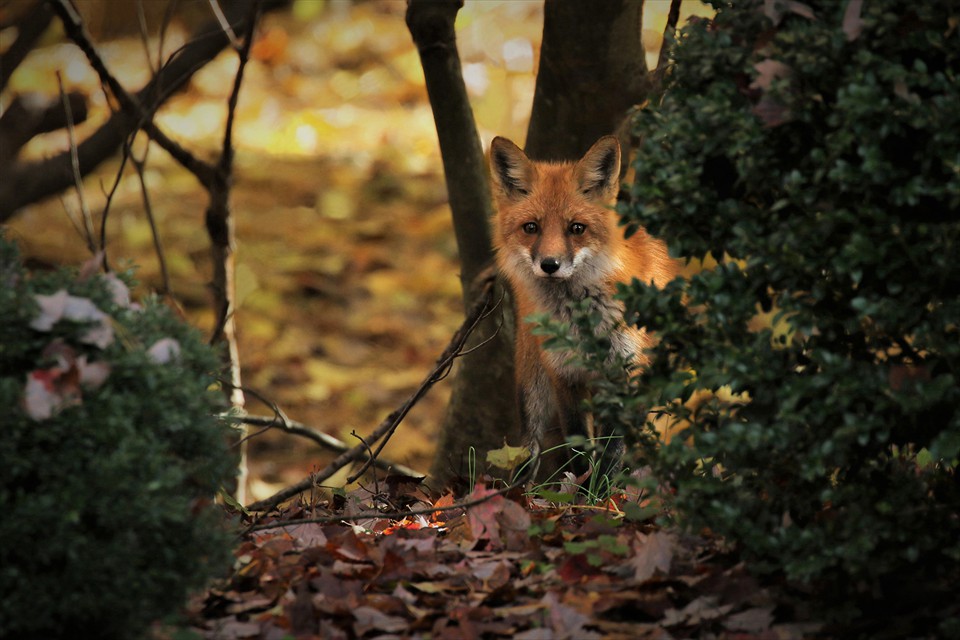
(557, 241)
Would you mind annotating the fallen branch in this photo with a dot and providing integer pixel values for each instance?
(478, 312)
(393, 515)
(320, 438)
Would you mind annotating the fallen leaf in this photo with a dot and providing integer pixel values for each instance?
(501, 521)
(771, 112)
(49, 391)
(164, 350)
(41, 398)
(507, 457)
(756, 620)
(51, 310)
(652, 553)
(92, 374)
(852, 22)
(769, 70)
(63, 306)
(371, 619)
(702, 609)
(118, 289)
(565, 621)
(776, 9)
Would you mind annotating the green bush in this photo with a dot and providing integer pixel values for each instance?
(813, 151)
(110, 455)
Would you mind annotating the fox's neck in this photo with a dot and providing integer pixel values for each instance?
(555, 298)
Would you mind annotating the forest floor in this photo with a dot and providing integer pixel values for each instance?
(508, 566)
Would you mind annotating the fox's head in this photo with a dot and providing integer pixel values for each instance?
(554, 220)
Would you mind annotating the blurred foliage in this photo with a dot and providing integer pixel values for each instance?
(111, 455)
(813, 150)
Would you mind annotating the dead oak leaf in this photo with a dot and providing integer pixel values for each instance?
(697, 611)
(372, 619)
(498, 520)
(652, 552)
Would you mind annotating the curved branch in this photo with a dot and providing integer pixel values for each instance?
(28, 182)
(29, 30)
(390, 423)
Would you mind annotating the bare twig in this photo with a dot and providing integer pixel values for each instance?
(220, 229)
(145, 39)
(673, 16)
(389, 424)
(224, 23)
(86, 218)
(29, 181)
(320, 438)
(477, 314)
(395, 515)
(139, 164)
(108, 199)
(77, 32)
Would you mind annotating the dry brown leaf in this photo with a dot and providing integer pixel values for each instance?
(652, 552)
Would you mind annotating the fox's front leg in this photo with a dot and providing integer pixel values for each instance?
(537, 403)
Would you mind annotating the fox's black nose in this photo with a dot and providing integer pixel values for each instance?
(550, 265)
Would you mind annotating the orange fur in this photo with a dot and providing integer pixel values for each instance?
(558, 240)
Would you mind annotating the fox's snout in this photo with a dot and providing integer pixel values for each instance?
(549, 265)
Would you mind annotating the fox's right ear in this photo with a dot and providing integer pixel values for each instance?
(511, 170)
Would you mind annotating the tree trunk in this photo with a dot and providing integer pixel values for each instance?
(592, 71)
(482, 413)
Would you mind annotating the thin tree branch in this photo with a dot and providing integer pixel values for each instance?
(28, 182)
(88, 233)
(389, 424)
(77, 32)
(139, 164)
(671, 28)
(224, 23)
(478, 313)
(394, 515)
(220, 228)
(320, 438)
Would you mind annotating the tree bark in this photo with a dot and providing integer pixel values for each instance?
(481, 414)
(592, 72)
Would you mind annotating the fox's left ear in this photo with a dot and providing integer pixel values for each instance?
(598, 172)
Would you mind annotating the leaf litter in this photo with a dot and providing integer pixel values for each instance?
(509, 566)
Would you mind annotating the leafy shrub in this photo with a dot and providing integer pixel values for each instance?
(813, 150)
(110, 455)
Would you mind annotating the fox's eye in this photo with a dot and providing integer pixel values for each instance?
(577, 228)
(530, 228)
